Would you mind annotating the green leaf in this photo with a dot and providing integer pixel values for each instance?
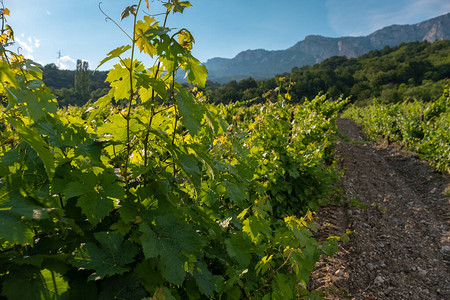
(37, 102)
(148, 85)
(75, 189)
(95, 206)
(147, 31)
(169, 240)
(54, 283)
(304, 236)
(196, 72)
(34, 139)
(127, 286)
(237, 192)
(191, 111)
(119, 77)
(109, 259)
(31, 284)
(240, 248)
(191, 166)
(330, 247)
(13, 230)
(163, 294)
(6, 75)
(99, 105)
(255, 228)
(113, 54)
(285, 286)
(204, 279)
(177, 6)
(98, 194)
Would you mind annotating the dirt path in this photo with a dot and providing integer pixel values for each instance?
(400, 245)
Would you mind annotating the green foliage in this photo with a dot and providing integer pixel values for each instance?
(169, 198)
(422, 127)
(62, 83)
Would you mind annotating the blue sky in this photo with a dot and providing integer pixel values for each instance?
(221, 28)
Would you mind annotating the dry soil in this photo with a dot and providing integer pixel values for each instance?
(399, 247)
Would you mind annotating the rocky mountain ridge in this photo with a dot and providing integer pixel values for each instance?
(262, 64)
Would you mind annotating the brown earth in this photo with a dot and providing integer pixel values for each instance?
(399, 247)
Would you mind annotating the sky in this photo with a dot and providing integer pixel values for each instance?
(222, 28)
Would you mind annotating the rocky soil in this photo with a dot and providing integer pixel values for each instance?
(398, 210)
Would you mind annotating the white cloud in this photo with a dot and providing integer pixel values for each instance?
(66, 62)
(27, 45)
(355, 18)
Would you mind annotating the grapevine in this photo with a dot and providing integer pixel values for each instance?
(151, 191)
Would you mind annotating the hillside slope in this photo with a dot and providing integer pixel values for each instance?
(262, 64)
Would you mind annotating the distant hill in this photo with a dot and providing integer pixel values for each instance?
(415, 70)
(262, 64)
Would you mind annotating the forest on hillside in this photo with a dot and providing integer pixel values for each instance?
(416, 70)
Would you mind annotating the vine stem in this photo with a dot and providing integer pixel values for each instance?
(273, 274)
(111, 19)
(132, 93)
(152, 114)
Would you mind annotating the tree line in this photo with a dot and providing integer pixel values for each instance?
(417, 70)
(75, 87)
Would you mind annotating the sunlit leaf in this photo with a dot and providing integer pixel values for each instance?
(34, 139)
(114, 53)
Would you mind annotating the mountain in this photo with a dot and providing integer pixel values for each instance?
(262, 64)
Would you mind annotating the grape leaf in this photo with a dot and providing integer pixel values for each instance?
(255, 227)
(191, 166)
(98, 195)
(13, 230)
(34, 139)
(148, 85)
(127, 286)
(191, 111)
(237, 192)
(6, 75)
(204, 278)
(28, 283)
(95, 206)
(119, 77)
(54, 283)
(176, 6)
(109, 259)
(239, 248)
(168, 240)
(144, 39)
(196, 72)
(162, 294)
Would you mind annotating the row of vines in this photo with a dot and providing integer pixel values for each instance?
(422, 127)
(152, 193)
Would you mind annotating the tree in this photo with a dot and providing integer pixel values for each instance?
(82, 79)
